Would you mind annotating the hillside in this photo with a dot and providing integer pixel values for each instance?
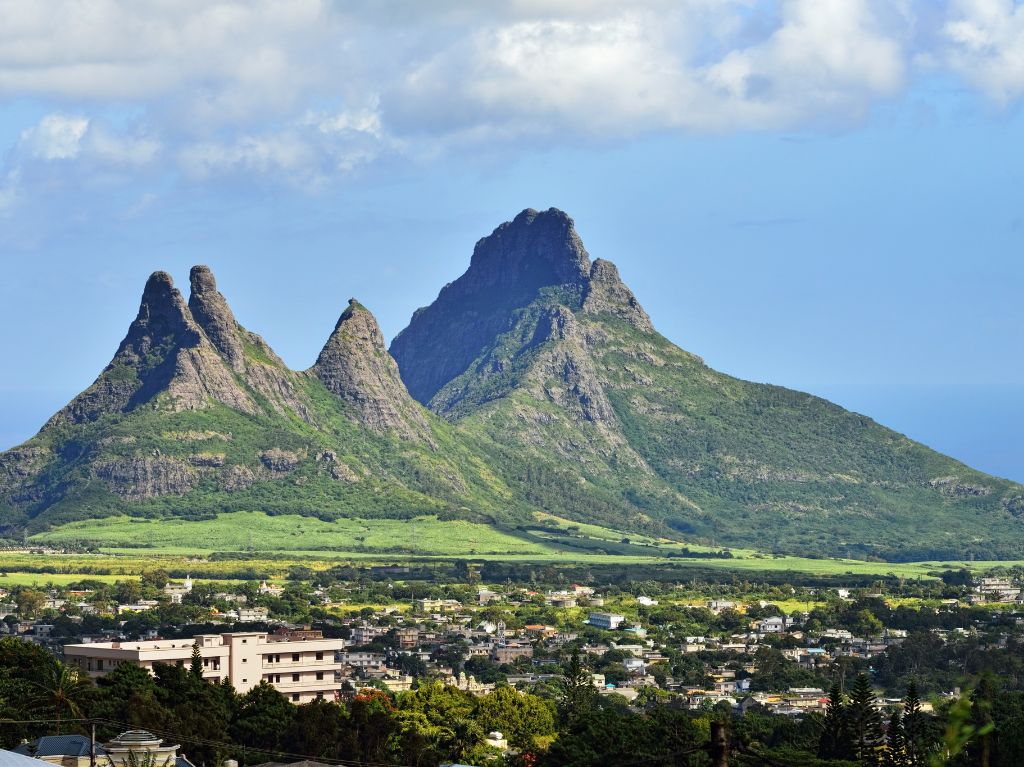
(594, 413)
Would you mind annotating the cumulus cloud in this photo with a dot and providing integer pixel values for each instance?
(311, 90)
(986, 45)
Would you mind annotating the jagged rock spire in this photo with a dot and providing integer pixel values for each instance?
(355, 365)
(212, 313)
(165, 352)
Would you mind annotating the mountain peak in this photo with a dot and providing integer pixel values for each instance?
(537, 251)
(211, 311)
(355, 366)
(533, 250)
(164, 352)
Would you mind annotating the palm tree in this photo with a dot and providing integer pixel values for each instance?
(61, 690)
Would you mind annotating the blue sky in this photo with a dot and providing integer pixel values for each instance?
(823, 194)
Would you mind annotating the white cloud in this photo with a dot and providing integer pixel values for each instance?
(986, 45)
(56, 137)
(310, 89)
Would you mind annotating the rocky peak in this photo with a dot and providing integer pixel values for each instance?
(355, 365)
(607, 294)
(534, 250)
(509, 269)
(165, 352)
(163, 320)
(211, 311)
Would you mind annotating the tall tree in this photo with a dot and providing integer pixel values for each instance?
(579, 697)
(834, 741)
(914, 728)
(865, 722)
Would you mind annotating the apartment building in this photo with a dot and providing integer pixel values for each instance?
(301, 665)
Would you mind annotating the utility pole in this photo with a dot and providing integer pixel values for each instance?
(92, 744)
(719, 747)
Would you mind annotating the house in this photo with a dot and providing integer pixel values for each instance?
(507, 653)
(718, 605)
(245, 614)
(176, 592)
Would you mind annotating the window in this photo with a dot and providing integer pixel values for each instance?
(319, 656)
(295, 677)
(277, 678)
(245, 641)
(295, 657)
(295, 697)
(245, 660)
(244, 681)
(319, 676)
(99, 665)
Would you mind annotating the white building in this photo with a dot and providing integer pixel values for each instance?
(609, 621)
(301, 665)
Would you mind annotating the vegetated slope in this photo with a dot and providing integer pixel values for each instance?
(588, 411)
(196, 415)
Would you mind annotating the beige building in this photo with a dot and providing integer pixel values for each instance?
(301, 665)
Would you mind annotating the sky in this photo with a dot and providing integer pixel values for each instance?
(821, 194)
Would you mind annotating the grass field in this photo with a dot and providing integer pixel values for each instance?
(270, 544)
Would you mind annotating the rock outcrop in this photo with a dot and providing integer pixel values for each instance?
(355, 366)
(607, 294)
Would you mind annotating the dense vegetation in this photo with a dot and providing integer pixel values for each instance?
(568, 723)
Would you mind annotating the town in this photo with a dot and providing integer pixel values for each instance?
(737, 650)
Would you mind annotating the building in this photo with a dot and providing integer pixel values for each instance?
(507, 653)
(301, 665)
(609, 621)
(125, 749)
(435, 605)
(176, 592)
(250, 614)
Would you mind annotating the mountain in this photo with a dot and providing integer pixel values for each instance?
(195, 415)
(536, 382)
(592, 413)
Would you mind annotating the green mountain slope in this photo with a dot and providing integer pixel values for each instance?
(591, 413)
(196, 415)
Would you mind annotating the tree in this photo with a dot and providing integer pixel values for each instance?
(579, 696)
(896, 742)
(520, 717)
(914, 728)
(29, 602)
(834, 741)
(196, 666)
(264, 715)
(864, 721)
(60, 691)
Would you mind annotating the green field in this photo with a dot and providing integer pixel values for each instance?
(268, 545)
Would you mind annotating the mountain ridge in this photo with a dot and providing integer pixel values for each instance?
(535, 382)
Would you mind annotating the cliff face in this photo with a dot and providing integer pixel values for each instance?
(533, 253)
